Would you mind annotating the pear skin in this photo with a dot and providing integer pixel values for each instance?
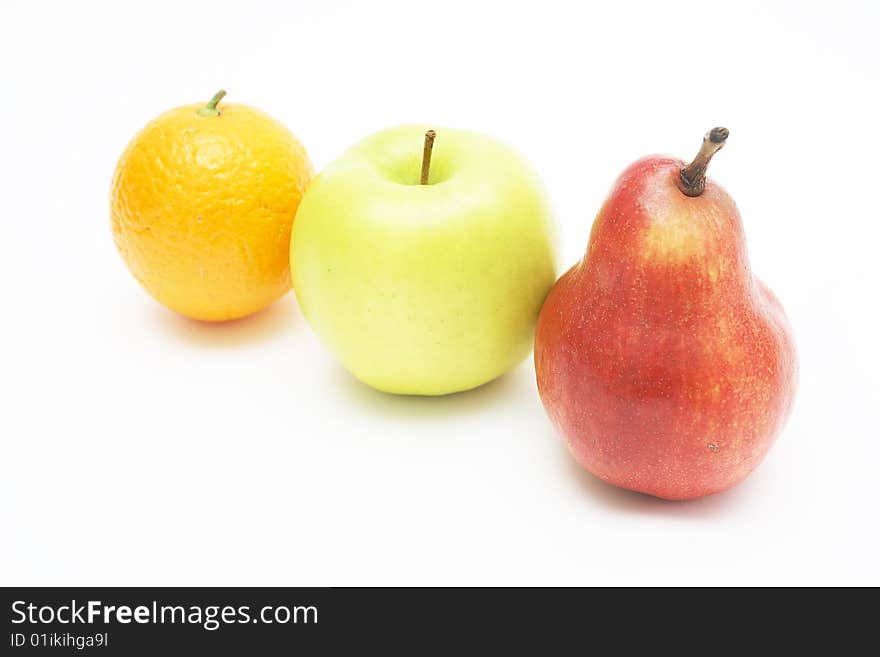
(668, 368)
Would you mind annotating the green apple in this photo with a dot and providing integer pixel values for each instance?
(424, 289)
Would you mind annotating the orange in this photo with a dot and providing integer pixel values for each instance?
(202, 205)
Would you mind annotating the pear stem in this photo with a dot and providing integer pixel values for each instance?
(692, 180)
(211, 108)
(426, 156)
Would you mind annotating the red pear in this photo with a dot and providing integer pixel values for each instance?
(665, 364)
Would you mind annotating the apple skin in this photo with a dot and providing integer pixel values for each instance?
(666, 366)
(424, 289)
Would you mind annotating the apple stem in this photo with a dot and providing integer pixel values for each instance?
(692, 180)
(211, 108)
(426, 155)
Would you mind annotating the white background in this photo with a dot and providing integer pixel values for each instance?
(142, 448)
